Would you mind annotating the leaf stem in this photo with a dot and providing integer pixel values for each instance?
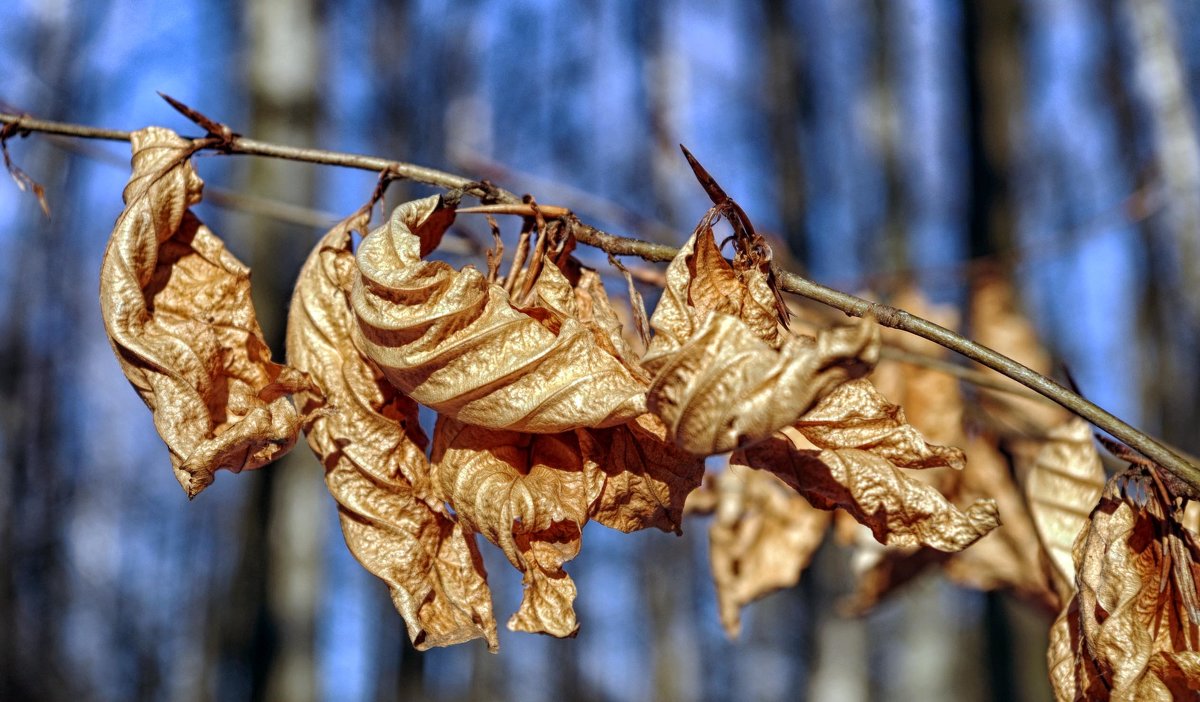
(851, 305)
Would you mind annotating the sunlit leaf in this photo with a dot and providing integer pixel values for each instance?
(1129, 633)
(177, 308)
(366, 434)
(454, 342)
(899, 510)
(1062, 487)
(762, 537)
(644, 479)
(998, 322)
(529, 495)
(719, 384)
(855, 415)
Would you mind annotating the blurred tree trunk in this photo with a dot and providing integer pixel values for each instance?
(269, 631)
(1014, 641)
(36, 490)
(992, 50)
(786, 104)
(1162, 83)
(1171, 294)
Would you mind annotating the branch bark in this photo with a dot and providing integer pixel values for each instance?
(851, 305)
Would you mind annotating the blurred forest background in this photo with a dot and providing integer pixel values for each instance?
(925, 141)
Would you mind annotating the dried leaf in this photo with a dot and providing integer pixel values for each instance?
(1007, 558)
(637, 307)
(931, 398)
(899, 510)
(717, 286)
(588, 303)
(366, 434)
(719, 384)
(456, 343)
(753, 251)
(855, 415)
(1127, 634)
(645, 479)
(23, 180)
(532, 494)
(177, 308)
(1062, 488)
(529, 495)
(762, 538)
(1010, 557)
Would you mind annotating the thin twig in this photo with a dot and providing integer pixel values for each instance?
(851, 305)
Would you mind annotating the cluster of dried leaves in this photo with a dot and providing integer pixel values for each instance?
(547, 418)
(1112, 560)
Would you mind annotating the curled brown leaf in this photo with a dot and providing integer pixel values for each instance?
(1007, 558)
(527, 494)
(1128, 634)
(931, 398)
(762, 537)
(899, 510)
(855, 415)
(1062, 488)
(724, 378)
(457, 344)
(643, 479)
(998, 322)
(532, 494)
(176, 305)
(366, 434)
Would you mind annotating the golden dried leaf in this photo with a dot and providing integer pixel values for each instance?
(762, 538)
(177, 308)
(1062, 488)
(529, 494)
(716, 286)
(593, 309)
(638, 320)
(1128, 633)
(718, 385)
(456, 343)
(366, 434)
(855, 415)
(931, 398)
(1008, 558)
(644, 479)
(899, 510)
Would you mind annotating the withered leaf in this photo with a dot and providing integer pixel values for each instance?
(644, 479)
(454, 342)
(1009, 557)
(742, 292)
(366, 434)
(931, 398)
(761, 539)
(529, 495)
(855, 415)
(718, 384)
(899, 510)
(592, 308)
(1062, 488)
(176, 305)
(1127, 634)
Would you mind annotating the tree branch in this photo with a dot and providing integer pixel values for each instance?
(851, 305)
